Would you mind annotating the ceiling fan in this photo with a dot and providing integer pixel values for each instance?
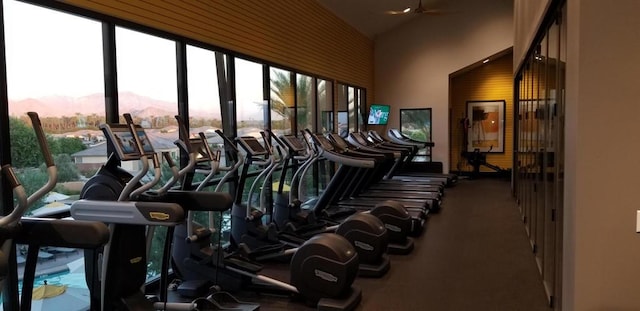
(420, 9)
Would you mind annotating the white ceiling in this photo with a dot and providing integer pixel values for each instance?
(368, 16)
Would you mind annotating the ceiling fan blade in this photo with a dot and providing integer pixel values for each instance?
(391, 12)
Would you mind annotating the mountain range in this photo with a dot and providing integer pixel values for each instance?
(59, 106)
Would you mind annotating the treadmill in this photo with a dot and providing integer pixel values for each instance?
(374, 185)
(332, 201)
(382, 184)
(362, 140)
(395, 136)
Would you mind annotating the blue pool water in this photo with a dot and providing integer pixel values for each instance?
(71, 280)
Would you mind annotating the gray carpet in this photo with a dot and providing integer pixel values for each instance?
(474, 255)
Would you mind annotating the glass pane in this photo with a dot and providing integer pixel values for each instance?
(343, 111)
(204, 113)
(305, 104)
(416, 124)
(325, 106)
(282, 102)
(250, 113)
(361, 104)
(54, 67)
(204, 97)
(250, 107)
(147, 89)
(353, 112)
(64, 86)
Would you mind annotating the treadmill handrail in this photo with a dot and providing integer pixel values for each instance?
(364, 146)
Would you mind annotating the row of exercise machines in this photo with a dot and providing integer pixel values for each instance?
(322, 265)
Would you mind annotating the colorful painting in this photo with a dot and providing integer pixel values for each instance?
(485, 126)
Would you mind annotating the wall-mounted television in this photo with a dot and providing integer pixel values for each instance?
(378, 114)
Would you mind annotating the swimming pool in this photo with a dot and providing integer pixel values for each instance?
(75, 280)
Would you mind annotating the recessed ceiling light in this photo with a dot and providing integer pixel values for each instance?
(406, 10)
(485, 61)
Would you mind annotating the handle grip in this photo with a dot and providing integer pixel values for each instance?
(168, 158)
(42, 139)
(134, 133)
(276, 138)
(10, 175)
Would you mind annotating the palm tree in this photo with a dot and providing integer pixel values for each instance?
(305, 102)
(282, 97)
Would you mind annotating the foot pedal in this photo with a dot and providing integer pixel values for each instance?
(194, 288)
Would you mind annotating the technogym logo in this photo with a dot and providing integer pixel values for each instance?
(363, 245)
(326, 276)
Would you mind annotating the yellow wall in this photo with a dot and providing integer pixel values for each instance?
(491, 81)
(299, 34)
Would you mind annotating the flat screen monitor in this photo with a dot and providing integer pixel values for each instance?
(378, 114)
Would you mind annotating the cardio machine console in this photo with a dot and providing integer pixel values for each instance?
(293, 143)
(124, 142)
(252, 146)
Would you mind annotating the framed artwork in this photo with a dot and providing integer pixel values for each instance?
(486, 126)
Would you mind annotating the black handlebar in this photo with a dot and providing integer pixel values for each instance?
(183, 134)
(227, 141)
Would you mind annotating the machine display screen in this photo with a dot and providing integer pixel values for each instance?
(124, 141)
(144, 140)
(253, 144)
(293, 142)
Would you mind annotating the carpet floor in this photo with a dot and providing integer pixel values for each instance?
(474, 255)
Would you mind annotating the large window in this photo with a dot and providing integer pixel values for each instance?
(343, 111)
(147, 89)
(64, 85)
(54, 67)
(204, 96)
(305, 102)
(282, 101)
(250, 104)
(351, 102)
(353, 109)
(325, 106)
(361, 104)
(251, 114)
(416, 124)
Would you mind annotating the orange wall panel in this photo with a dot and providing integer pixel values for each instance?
(491, 81)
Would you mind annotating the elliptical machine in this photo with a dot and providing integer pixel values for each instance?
(394, 215)
(365, 231)
(36, 232)
(322, 269)
(262, 242)
(116, 273)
